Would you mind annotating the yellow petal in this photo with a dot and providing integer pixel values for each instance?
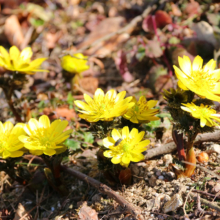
(181, 85)
(202, 122)
(8, 126)
(88, 99)
(99, 94)
(133, 133)
(125, 132)
(108, 153)
(17, 153)
(82, 105)
(210, 66)
(151, 103)
(26, 54)
(138, 137)
(108, 141)
(49, 152)
(180, 74)
(197, 63)
(120, 96)
(110, 95)
(116, 134)
(137, 157)
(126, 159)
(185, 65)
(33, 124)
(116, 159)
(216, 89)
(44, 120)
(14, 54)
(6, 154)
(36, 152)
(216, 74)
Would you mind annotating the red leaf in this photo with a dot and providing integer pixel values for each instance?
(162, 19)
(121, 64)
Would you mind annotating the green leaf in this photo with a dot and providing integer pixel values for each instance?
(174, 40)
(72, 144)
(88, 137)
(70, 100)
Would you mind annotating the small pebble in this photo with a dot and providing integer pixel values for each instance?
(161, 177)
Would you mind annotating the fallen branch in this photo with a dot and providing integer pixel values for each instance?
(127, 207)
(170, 147)
(212, 205)
(125, 29)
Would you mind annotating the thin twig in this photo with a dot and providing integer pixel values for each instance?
(170, 147)
(184, 205)
(212, 205)
(205, 193)
(128, 27)
(128, 207)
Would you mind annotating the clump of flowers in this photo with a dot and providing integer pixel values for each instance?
(10, 145)
(193, 114)
(204, 113)
(116, 120)
(74, 64)
(104, 107)
(43, 137)
(142, 111)
(125, 146)
(202, 81)
(20, 61)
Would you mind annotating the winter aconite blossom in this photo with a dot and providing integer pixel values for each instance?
(125, 146)
(10, 145)
(142, 111)
(104, 107)
(20, 61)
(204, 81)
(204, 113)
(43, 137)
(74, 64)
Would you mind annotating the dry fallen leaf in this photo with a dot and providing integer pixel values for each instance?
(105, 27)
(20, 212)
(175, 10)
(89, 84)
(61, 112)
(87, 213)
(193, 8)
(13, 31)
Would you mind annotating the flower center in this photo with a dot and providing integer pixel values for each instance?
(126, 147)
(42, 138)
(204, 79)
(104, 105)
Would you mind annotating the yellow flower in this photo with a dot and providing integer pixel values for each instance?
(75, 64)
(20, 61)
(45, 138)
(142, 111)
(104, 107)
(125, 146)
(202, 81)
(204, 113)
(10, 145)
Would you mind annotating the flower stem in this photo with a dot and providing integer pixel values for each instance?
(190, 157)
(8, 95)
